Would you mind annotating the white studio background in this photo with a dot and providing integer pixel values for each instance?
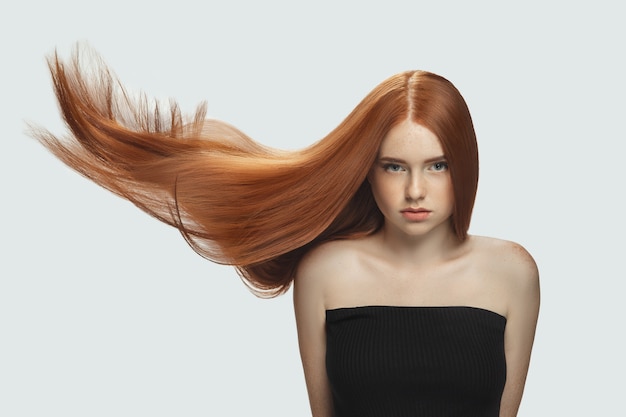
(104, 311)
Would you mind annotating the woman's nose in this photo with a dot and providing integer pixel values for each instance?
(416, 188)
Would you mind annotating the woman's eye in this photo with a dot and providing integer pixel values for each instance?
(392, 167)
(440, 166)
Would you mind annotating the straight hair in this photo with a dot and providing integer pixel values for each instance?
(235, 201)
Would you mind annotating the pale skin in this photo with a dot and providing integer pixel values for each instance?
(416, 260)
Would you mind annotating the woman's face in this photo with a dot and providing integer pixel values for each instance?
(411, 183)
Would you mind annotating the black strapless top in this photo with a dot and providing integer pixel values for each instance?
(415, 361)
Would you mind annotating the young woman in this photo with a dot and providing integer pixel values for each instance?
(399, 311)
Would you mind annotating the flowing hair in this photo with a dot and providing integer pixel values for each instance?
(235, 201)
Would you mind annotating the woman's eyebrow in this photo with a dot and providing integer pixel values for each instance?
(436, 159)
(390, 159)
(402, 161)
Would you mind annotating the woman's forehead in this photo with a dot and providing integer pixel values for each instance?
(410, 140)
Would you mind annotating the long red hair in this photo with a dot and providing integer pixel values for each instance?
(235, 201)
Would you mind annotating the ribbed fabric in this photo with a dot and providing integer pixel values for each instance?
(415, 361)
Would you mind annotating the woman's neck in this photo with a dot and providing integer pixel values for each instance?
(438, 245)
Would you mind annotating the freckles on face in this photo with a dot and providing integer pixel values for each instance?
(411, 175)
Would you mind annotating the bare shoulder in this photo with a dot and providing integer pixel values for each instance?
(511, 265)
(321, 266)
(328, 258)
(505, 256)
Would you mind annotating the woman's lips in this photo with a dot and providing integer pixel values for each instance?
(418, 214)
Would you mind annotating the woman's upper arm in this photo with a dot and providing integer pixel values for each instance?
(310, 311)
(519, 335)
